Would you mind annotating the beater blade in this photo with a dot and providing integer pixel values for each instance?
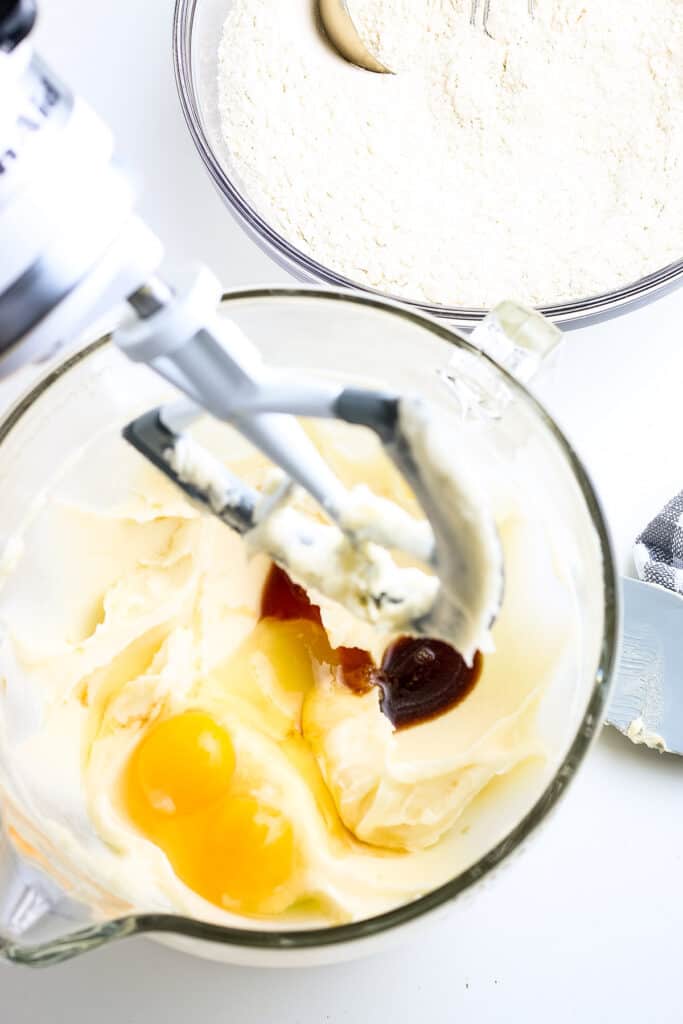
(344, 553)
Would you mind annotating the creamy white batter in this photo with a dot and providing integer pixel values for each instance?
(121, 606)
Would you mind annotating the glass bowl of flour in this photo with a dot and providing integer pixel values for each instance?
(540, 161)
(120, 603)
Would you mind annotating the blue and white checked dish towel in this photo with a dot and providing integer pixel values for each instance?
(658, 551)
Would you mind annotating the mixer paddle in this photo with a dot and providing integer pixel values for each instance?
(346, 552)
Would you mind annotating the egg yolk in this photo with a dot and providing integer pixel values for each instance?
(245, 853)
(183, 764)
(233, 850)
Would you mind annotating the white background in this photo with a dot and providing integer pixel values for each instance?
(587, 924)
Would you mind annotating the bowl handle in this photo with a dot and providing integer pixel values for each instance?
(518, 338)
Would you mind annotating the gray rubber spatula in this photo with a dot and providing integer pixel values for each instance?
(647, 703)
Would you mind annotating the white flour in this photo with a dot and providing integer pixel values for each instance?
(544, 163)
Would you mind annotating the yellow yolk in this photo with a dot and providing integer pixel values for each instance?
(244, 853)
(183, 764)
(231, 849)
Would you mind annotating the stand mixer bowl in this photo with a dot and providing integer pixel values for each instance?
(49, 909)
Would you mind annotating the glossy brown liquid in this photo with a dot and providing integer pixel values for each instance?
(422, 678)
(419, 678)
(283, 599)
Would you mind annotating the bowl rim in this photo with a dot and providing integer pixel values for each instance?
(587, 730)
(571, 313)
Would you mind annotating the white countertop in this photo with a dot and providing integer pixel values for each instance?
(587, 923)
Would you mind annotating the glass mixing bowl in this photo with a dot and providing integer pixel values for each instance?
(196, 33)
(48, 910)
